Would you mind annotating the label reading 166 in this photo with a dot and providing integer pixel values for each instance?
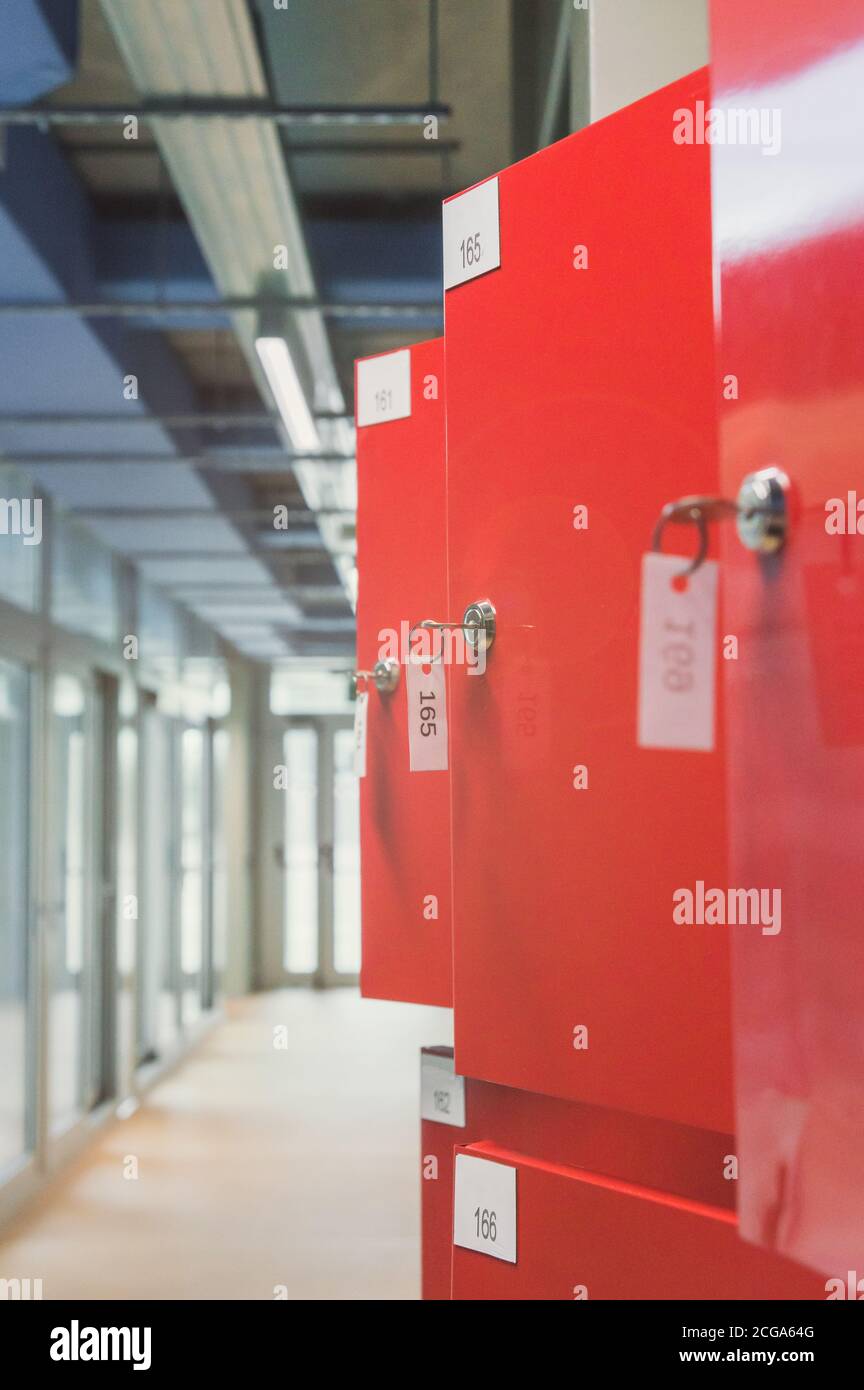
(484, 1207)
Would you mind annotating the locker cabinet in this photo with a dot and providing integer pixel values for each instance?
(581, 398)
(579, 1235)
(404, 816)
(789, 245)
(692, 1163)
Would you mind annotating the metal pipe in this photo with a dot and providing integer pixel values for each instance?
(211, 419)
(231, 108)
(323, 147)
(159, 308)
(260, 463)
(299, 516)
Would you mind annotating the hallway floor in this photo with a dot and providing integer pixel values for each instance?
(258, 1167)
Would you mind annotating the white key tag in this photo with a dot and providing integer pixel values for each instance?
(677, 654)
(361, 710)
(425, 681)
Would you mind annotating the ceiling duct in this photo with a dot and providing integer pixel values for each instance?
(231, 178)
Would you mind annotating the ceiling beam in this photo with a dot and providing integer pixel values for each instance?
(407, 311)
(293, 515)
(252, 463)
(210, 419)
(208, 108)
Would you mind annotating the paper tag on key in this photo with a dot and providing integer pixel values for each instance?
(361, 710)
(677, 654)
(427, 715)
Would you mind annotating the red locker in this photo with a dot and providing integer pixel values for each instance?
(789, 245)
(577, 1235)
(693, 1163)
(580, 375)
(404, 816)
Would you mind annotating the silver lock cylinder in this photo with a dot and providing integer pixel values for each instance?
(385, 675)
(478, 622)
(762, 518)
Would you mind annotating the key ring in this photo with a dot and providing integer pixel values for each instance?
(760, 510)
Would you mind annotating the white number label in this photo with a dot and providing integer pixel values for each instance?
(442, 1092)
(384, 388)
(677, 654)
(472, 242)
(427, 715)
(484, 1207)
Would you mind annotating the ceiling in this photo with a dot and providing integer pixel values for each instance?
(190, 213)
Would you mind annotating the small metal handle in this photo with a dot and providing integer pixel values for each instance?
(384, 676)
(478, 624)
(760, 511)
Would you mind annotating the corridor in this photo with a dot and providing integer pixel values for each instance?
(264, 1170)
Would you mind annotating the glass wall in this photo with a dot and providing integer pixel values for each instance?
(73, 967)
(300, 853)
(85, 594)
(192, 904)
(219, 865)
(114, 842)
(346, 856)
(14, 908)
(127, 889)
(157, 981)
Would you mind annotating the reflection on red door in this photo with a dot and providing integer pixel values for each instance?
(580, 375)
(582, 1236)
(789, 243)
(404, 816)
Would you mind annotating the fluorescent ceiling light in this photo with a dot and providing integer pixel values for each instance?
(288, 394)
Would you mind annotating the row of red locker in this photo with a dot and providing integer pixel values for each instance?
(552, 883)
(529, 1198)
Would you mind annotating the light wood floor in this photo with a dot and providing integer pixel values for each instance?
(257, 1167)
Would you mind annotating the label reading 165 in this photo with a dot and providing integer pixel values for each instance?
(427, 716)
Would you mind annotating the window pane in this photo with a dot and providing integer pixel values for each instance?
(346, 856)
(300, 926)
(84, 589)
(158, 996)
(127, 888)
(67, 1063)
(192, 870)
(14, 903)
(220, 853)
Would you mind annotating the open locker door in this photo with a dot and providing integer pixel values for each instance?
(404, 815)
(581, 398)
(789, 247)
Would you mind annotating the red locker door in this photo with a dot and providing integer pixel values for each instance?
(789, 228)
(556, 1233)
(580, 375)
(692, 1163)
(404, 816)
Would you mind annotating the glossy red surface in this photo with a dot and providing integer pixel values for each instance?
(404, 816)
(583, 387)
(689, 1162)
(578, 1233)
(789, 245)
